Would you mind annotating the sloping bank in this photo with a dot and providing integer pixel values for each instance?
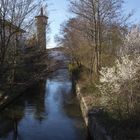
(30, 71)
(96, 131)
(11, 94)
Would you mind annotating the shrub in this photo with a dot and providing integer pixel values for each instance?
(118, 85)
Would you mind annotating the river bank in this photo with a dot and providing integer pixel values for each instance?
(96, 131)
(100, 123)
(31, 70)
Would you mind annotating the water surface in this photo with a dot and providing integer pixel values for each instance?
(47, 111)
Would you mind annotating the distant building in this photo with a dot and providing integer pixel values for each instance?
(41, 23)
(11, 32)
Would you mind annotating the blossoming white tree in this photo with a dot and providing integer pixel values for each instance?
(118, 83)
(132, 42)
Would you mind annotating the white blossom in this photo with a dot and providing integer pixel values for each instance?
(112, 78)
(131, 42)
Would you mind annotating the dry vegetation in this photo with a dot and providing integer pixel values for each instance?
(105, 54)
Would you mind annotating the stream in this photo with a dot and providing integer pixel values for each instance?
(49, 110)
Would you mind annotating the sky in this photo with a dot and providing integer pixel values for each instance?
(58, 12)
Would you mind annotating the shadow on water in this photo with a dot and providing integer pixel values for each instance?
(47, 111)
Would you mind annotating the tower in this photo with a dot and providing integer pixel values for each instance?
(41, 23)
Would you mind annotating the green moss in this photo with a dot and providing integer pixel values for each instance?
(74, 70)
(73, 67)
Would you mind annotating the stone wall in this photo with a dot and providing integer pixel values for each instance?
(96, 131)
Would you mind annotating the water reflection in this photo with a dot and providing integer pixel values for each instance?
(47, 111)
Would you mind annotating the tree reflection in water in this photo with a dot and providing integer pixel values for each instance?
(47, 110)
(11, 116)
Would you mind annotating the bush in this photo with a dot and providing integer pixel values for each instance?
(118, 86)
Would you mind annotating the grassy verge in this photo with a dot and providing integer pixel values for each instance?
(125, 128)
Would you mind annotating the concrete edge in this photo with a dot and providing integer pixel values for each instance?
(96, 131)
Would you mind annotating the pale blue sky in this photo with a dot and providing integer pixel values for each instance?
(58, 13)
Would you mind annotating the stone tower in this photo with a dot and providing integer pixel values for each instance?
(41, 23)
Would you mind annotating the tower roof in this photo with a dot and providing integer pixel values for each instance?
(41, 13)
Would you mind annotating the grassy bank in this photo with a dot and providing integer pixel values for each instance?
(118, 123)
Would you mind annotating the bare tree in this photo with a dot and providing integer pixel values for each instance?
(73, 40)
(98, 16)
(16, 16)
